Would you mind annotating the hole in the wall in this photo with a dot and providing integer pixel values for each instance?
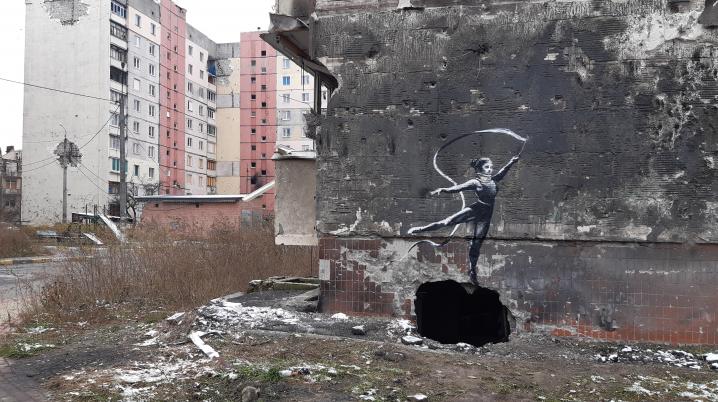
(450, 312)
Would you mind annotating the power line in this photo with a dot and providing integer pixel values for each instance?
(56, 90)
(90, 180)
(40, 167)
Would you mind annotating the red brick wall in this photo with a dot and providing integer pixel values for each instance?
(616, 291)
(200, 217)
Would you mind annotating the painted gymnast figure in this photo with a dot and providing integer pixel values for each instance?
(479, 213)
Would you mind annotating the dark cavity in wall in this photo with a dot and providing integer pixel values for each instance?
(450, 312)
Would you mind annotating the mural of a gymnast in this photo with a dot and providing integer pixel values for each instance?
(485, 186)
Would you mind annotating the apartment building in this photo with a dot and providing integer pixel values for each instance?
(295, 97)
(258, 114)
(201, 117)
(10, 184)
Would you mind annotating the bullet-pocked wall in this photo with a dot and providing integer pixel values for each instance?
(606, 226)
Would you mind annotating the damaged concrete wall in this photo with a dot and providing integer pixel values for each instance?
(619, 100)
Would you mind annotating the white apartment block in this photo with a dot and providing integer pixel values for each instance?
(295, 97)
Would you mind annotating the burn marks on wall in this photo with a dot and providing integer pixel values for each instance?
(68, 12)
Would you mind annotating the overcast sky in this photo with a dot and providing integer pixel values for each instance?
(221, 20)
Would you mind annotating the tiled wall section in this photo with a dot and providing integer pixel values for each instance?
(615, 291)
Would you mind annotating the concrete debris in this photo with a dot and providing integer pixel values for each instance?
(283, 283)
(411, 340)
(714, 366)
(250, 394)
(340, 316)
(418, 397)
(358, 330)
(296, 372)
(711, 357)
(175, 318)
(306, 302)
(196, 338)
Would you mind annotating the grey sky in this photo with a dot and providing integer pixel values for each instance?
(221, 20)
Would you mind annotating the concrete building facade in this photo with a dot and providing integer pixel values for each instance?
(295, 97)
(10, 184)
(605, 223)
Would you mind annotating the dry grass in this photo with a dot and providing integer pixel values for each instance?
(159, 270)
(16, 243)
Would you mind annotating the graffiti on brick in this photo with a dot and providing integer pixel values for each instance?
(484, 186)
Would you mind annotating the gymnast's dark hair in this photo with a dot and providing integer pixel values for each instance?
(477, 164)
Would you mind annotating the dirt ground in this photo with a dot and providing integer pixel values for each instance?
(145, 357)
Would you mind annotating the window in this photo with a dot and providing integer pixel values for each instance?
(201, 163)
(189, 124)
(253, 131)
(190, 106)
(305, 97)
(286, 80)
(253, 63)
(201, 56)
(152, 89)
(210, 149)
(189, 160)
(263, 172)
(189, 68)
(118, 31)
(118, 75)
(254, 147)
(151, 152)
(201, 110)
(151, 131)
(200, 145)
(253, 96)
(136, 126)
(201, 92)
(115, 96)
(189, 50)
(136, 170)
(136, 63)
(253, 165)
(285, 98)
(264, 138)
(151, 172)
(264, 121)
(286, 132)
(211, 130)
(211, 96)
(136, 149)
(189, 141)
(264, 104)
(286, 115)
(264, 69)
(190, 88)
(118, 9)
(263, 53)
(137, 105)
(201, 178)
(118, 53)
(151, 110)
(114, 141)
(305, 80)
(201, 74)
(201, 127)
(152, 49)
(115, 121)
(138, 20)
(115, 164)
(252, 114)
(210, 113)
(253, 80)
(285, 63)
(136, 84)
(152, 70)
(138, 41)
(153, 31)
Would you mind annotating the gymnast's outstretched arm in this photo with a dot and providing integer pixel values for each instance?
(469, 185)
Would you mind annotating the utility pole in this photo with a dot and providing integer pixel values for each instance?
(123, 157)
(67, 154)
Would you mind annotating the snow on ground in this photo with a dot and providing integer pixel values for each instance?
(672, 357)
(236, 314)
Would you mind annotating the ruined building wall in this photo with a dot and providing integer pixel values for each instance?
(607, 226)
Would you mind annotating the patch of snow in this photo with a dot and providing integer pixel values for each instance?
(340, 316)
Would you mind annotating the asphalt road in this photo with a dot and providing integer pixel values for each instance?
(17, 281)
